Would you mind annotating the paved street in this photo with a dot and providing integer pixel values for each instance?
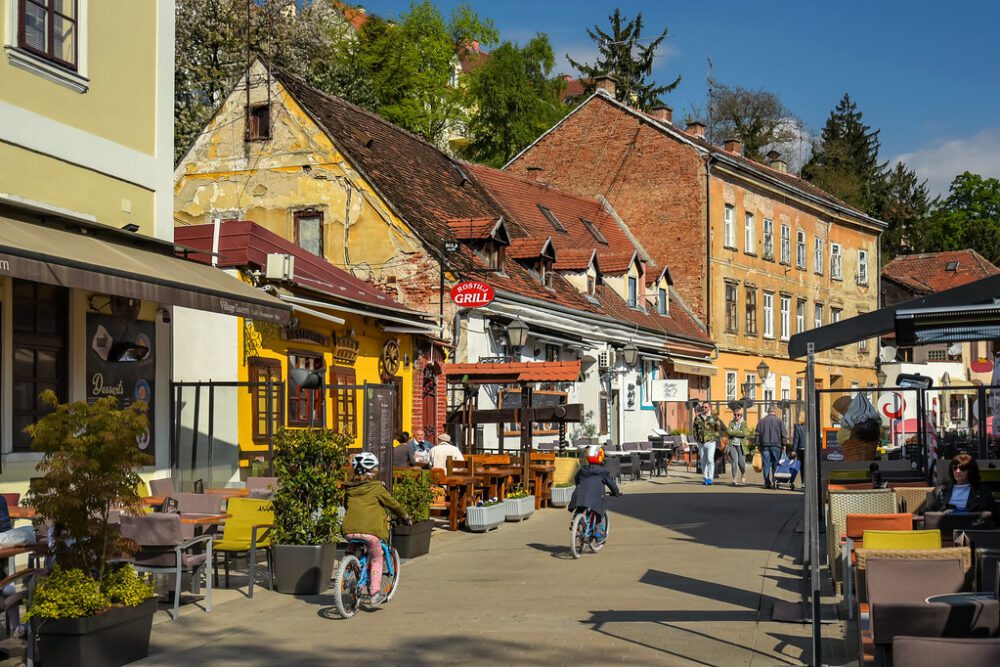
(688, 578)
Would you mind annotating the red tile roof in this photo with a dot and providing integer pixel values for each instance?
(467, 229)
(678, 321)
(928, 272)
(471, 57)
(524, 371)
(528, 248)
(617, 263)
(574, 259)
(574, 88)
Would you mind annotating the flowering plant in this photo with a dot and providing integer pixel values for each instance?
(489, 502)
(517, 492)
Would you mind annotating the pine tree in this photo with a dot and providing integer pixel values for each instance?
(907, 205)
(623, 56)
(845, 162)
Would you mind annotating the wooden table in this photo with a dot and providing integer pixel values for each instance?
(542, 477)
(20, 512)
(230, 492)
(204, 519)
(458, 488)
(500, 477)
(154, 501)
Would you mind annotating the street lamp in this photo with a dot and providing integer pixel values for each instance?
(517, 334)
(631, 354)
(881, 377)
(763, 370)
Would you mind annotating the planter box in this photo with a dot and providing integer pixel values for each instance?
(412, 541)
(303, 569)
(482, 519)
(561, 495)
(116, 637)
(519, 509)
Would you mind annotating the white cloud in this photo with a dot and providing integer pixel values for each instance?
(942, 160)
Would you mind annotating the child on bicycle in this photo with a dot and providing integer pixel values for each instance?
(590, 482)
(365, 517)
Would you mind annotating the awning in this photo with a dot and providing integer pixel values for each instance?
(514, 372)
(81, 258)
(692, 366)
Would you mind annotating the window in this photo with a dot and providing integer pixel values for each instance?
(750, 234)
(786, 244)
(633, 292)
(345, 412)
(551, 352)
(729, 227)
(799, 389)
(835, 262)
(818, 256)
(785, 309)
(604, 413)
(305, 406)
(751, 327)
(751, 385)
(863, 343)
(661, 301)
(731, 324)
(545, 272)
(768, 314)
(800, 249)
(769, 239)
(309, 231)
(48, 28)
(258, 122)
(594, 231)
(862, 267)
(493, 253)
(730, 385)
(41, 336)
(266, 399)
(818, 316)
(835, 315)
(768, 395)
(553, 220)
(800, 316)
(591, 285)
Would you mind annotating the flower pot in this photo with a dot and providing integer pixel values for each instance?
(412, 541)
(482, 519)
(303, 569)
(116, 637)
(518, 509)
(561, 495)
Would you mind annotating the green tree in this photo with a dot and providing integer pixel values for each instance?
(907, 205)
(624, 56)
(968, 218)
(845, 161)
(514, 99)
(757, 117)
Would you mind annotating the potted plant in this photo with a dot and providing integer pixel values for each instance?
(413, 491)
(90, 610)
(562, 493)
(519, 504)
(485, 515)
(309, 465)
(586, 432)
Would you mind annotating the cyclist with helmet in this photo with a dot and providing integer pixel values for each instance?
(365, 518)
(590, 482)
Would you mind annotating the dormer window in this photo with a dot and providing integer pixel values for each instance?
(661, 301)
(545, 272)
(591, 285)
(633, 292)
(493, 253)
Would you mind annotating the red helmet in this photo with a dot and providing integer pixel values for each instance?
(595, 454)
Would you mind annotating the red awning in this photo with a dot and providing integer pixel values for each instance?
(501, 373)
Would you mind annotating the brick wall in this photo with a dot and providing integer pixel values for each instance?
(654, 182)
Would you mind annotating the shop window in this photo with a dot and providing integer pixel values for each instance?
(306, 407)
(48, 28)
(266, 400)
(309, 231)
(345, 411)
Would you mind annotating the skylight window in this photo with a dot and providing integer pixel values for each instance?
(553, 220)
(594, 231)
(951, 266)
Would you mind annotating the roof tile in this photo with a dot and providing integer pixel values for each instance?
(928, 272)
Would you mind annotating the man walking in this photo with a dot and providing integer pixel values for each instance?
(707, 428)
(739, 436)
(770, 438)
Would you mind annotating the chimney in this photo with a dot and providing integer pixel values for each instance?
(663, 113)
(733, 145)
(535, 173)
(775, 162)
(606, 82)
(696, 129)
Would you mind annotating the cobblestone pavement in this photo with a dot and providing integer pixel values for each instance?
(689, 577)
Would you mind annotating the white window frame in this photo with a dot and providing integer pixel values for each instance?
(729, 227)
(731, 385)
(836, 261)
(835, 314)
(768, 314)
(768, 250)
(752, 381)
(817, 315)
(800, 249)
(749, 233)
(862, 267)
(786, 244)
(78, 81)
(818, 254)
(800, 315)
(785, 308)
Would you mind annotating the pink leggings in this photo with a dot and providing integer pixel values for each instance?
(374, 560)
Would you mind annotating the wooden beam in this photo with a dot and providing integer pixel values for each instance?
(571, 412)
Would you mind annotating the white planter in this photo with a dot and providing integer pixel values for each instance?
(561, 495)
(482, 519)
(519, 509)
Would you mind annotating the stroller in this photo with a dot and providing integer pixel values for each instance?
(787, 471)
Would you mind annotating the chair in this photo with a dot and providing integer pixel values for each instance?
(646, 460)
(247, 531)
(194, 503)
(937, 651)
(985, 546)
(862, 556)
(856, 527)
(842, 503)
(162, 487)
(912, 499)
(949, 522)
(163, 549)
(902, 540)
(13, 499)
(262, 487)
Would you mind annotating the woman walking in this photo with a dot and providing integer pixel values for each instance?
(739, 443)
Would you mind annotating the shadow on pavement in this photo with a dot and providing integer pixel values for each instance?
(559, 551)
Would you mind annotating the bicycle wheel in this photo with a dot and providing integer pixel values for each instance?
(390, 582)
(595, 544)
(578, 534)
(347, 587)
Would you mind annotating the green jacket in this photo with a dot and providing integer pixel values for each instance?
(740, 435)
(707, 428)
(367, 503)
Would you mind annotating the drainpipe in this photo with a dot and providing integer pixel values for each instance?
(708, 256)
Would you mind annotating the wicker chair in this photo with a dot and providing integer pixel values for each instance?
(842, 503)
(935, 651)
(912, 499)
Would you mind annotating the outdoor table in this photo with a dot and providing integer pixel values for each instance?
(660, 459)
(495, 481)
(458, 488)
(201, 521)
(543, 479)
(958, 599)
(230, 492)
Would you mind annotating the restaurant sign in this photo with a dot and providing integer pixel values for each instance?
(472, 294)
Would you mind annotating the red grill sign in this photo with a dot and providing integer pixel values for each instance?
(472, 294)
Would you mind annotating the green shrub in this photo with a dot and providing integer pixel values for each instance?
(565, 485)
(309, 465)
(414, 493)
(125, 587)
(67, 594)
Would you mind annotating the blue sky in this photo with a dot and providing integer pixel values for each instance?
(926, 73)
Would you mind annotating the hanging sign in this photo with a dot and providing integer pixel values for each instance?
(670, 390)
(472, 294)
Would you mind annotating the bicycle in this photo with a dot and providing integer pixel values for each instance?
(584, 530)
(352, 577)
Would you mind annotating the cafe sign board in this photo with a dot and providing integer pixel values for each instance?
(472, 294)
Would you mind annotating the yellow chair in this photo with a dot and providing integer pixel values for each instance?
(902, 540)
(248, 530)
(854, 475)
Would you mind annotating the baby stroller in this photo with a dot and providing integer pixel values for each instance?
(787, 471)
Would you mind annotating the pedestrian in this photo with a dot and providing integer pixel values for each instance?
(444, 450)
(770, 435)
(799, 444)
(739, 443)
(707, 428)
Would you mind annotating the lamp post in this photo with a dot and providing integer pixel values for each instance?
(631, 354)
(881, 377)
(517, 334)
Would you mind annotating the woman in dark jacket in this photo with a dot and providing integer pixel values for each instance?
(963, 492)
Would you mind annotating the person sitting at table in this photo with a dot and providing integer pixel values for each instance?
(590, 481)
(444, 450)
(963, 491)
(411, 452)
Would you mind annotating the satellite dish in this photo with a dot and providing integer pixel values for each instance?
(887, 354)
(954, 349)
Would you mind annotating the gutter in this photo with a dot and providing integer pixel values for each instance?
(708, 243)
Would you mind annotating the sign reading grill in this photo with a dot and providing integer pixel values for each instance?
(472, 294)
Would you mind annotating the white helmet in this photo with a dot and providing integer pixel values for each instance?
(364, 462)
(595, 454)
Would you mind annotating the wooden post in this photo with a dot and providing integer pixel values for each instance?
(525, 433)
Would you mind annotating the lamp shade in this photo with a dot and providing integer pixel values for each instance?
(517, 333)
(631, 354)
(881, 377)
(763, 370)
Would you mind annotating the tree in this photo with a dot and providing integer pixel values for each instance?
(757, 117)
(845, 161)
(623, 56)
(514, 100)
(968, 218)
(907, 205)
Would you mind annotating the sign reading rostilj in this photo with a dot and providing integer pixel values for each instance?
(472, 294)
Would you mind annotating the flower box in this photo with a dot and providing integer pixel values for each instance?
(561, 495)
(482, 519)
(519, 509)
